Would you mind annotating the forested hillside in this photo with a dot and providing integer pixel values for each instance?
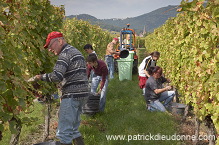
(150, 20)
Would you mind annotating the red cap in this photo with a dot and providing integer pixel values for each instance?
(116, 39)
(51, 36)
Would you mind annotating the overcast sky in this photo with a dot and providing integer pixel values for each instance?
(105, 9)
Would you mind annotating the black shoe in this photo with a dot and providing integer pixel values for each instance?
(78, 141)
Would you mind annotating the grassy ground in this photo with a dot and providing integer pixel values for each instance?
(32, 128)
(125, 115)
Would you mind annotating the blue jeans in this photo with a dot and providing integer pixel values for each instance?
(69, 119)
(165, 97)
(110, 64)
(90, 78)
(95, 82)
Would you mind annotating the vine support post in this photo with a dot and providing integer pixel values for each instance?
(211, 131)
(15, 137)
(176, 97)
(197, 129)
(186, 112)
(47, 117)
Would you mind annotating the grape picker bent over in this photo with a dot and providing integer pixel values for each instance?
(70, 70)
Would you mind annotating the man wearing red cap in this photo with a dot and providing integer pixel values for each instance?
(109, 57)
(70, 71)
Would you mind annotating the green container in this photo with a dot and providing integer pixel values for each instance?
(131, 55)
(125, 68)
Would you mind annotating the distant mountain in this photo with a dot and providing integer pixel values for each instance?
(95, 21)
(150, 20)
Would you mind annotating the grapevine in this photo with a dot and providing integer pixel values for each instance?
(189, 46)
(24, 26)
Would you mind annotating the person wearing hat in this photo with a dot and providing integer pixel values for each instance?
(109, 57)
(70, 70)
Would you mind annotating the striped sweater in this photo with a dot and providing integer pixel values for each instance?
(70, 70)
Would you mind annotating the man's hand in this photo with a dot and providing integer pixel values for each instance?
(38, 77)
(35, 78)
(99, 91)
(116, 52)
(168, 88)
(168, 80)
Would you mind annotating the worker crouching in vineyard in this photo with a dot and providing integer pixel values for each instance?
(70, 70)
(100, 75)
(157, 97)
(149, 61)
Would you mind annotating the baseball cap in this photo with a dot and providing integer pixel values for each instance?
(116, 39)
(51, 36)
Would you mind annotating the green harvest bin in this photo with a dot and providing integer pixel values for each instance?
(131, 55)
(125, 68)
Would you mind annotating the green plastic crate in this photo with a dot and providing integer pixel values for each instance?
(125, 68)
